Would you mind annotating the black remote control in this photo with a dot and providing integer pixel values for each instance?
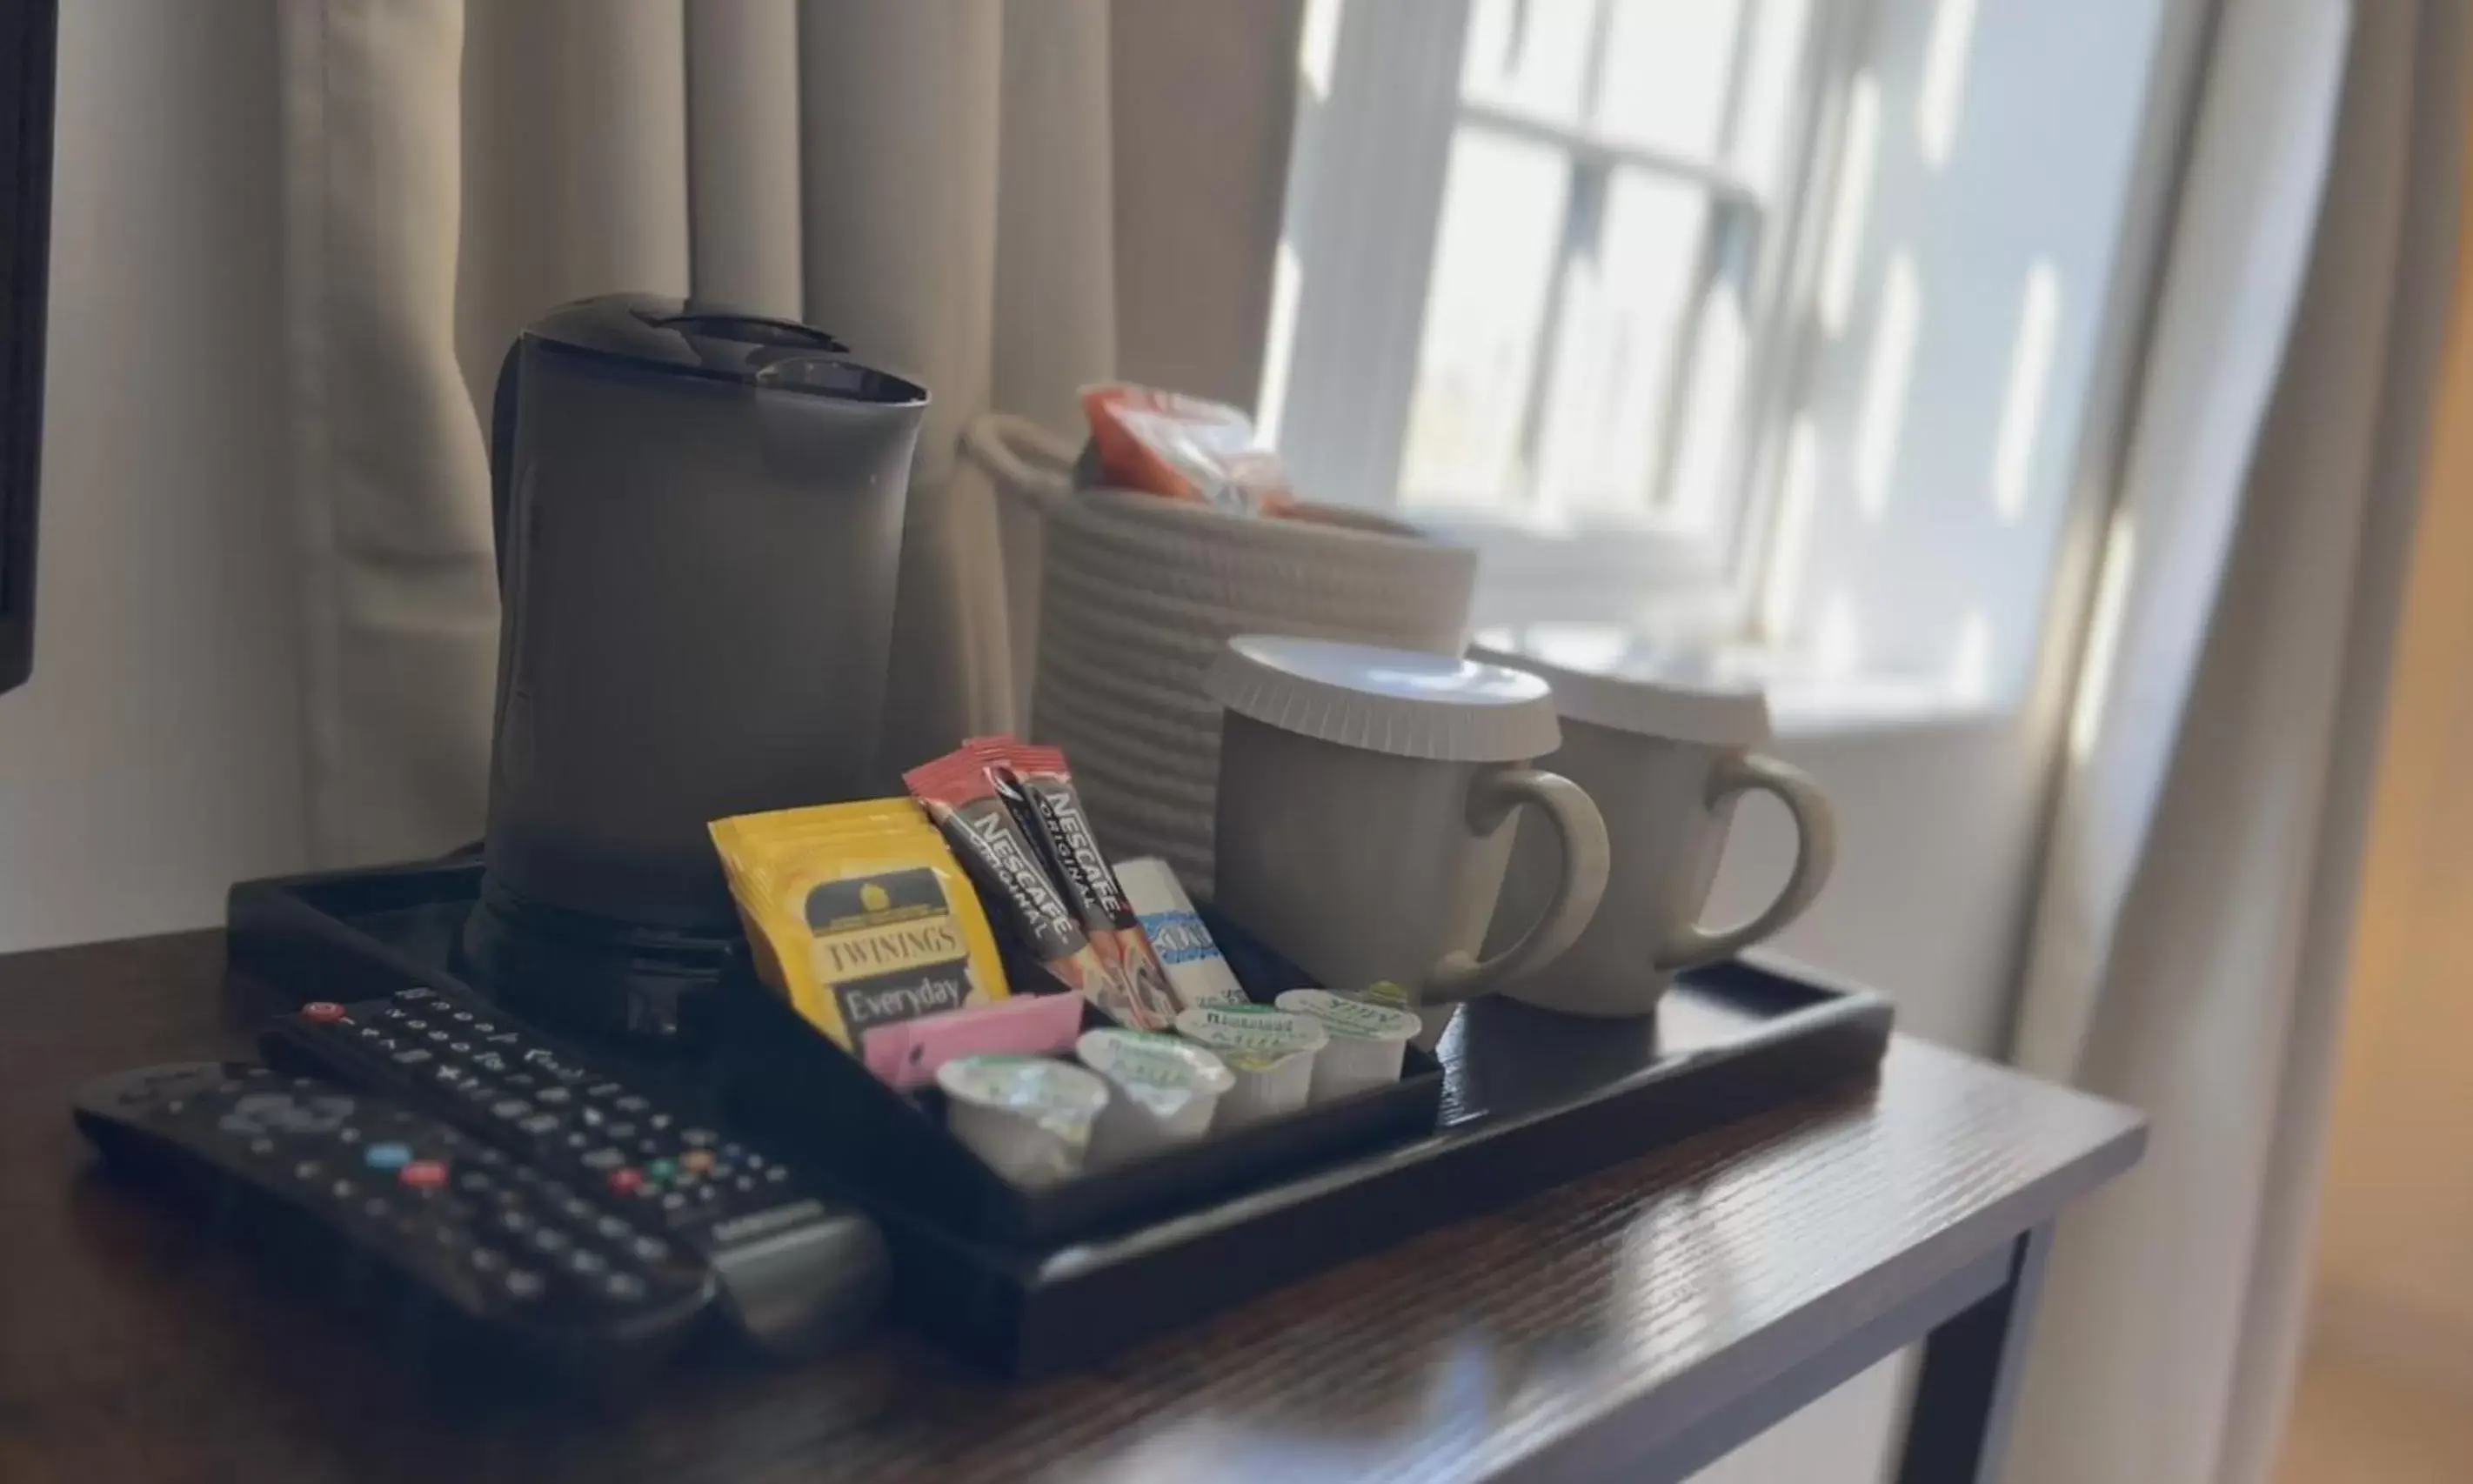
(797, 1273)
(450, 1228)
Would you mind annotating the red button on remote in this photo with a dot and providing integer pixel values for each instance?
(423, 1174)
(322, 1012)
(626, 1182)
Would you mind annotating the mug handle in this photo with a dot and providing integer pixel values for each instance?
(1582, 831)
(1815, 850)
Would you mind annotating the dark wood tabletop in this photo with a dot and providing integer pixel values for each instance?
(1602, 1317)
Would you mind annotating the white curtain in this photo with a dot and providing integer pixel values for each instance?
(2191, 941)
(932, 179)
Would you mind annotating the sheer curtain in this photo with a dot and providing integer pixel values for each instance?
(2198, 894)
(932, 179)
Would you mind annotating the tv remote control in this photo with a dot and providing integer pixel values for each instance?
(451, 1228)
(797, 1273)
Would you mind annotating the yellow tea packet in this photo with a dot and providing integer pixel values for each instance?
(860, 915)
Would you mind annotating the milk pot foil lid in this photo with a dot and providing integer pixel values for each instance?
(1394, 701)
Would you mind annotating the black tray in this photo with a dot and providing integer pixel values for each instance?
(788, 1085)
(1528, 1100)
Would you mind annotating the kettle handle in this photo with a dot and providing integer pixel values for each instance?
(1024, 458)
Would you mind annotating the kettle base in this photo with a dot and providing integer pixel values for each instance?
(598, 976)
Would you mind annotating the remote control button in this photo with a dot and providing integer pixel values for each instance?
(657, 1122)
(733, 1149)
(699, 1139)
(415, 1022)
(584, 1262)
(624, 1287)
(347, 1136)
(510, 1107)
(604, 1090)
(489, 1259)
(661, 1171)
(745, 1184)
(578, 1141)
(696, 1160)
(776, 1175)
(412, 1058)
(322, 1012)
(595, 1118)
(459, 1047)
(488, 1155)
(575, 1209)
(626, 1182)
(649, 1250)
(612, 1227)
(604, 1160)
(415, 992)
(707, 1195)
(389, 1155)
(540, 1123)
(343, 1190)
(308, 1169)
(523, 1283)
(423, 1174)
(439, 1038)
(555, 1096)
(633, 1102)
(261, 1146)
(674, 1202)
(514, 1219)
(621, 1130)
(550, 1239)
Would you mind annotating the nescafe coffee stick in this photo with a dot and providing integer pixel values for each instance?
(1039, 778)
(960, 795)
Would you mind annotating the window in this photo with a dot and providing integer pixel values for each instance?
(1788, 330)
(1550, 241)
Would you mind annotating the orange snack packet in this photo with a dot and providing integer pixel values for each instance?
(1185, 449)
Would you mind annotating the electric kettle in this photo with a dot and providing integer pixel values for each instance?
(699, 530)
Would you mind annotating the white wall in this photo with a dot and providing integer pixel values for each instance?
(155, 756)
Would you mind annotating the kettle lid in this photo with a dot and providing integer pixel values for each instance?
(683, 337)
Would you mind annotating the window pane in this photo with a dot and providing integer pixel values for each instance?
(1666, 72)
(1527, 57)
(1504, 202)
(1624, 306)
(1759, 152)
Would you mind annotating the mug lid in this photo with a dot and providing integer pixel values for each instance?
(1658, 694)
(1395, 701)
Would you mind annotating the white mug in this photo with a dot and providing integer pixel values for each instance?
(1364, 863)
(1668, 803)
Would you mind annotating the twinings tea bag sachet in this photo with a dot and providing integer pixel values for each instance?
(860, 915)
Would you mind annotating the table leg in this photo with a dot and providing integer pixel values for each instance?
(1959, 1424)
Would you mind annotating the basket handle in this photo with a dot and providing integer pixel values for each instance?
(1024, 458)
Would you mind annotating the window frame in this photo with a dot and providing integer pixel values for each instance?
(1374, 135)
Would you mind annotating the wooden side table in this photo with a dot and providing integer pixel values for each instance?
(1636, 1325)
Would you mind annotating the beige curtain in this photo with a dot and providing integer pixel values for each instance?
(932, 179)
(2199, 891)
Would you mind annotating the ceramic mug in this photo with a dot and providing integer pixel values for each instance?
(1364, 866)
(1668, 804)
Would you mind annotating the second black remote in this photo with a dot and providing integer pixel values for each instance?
(797, 1272)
